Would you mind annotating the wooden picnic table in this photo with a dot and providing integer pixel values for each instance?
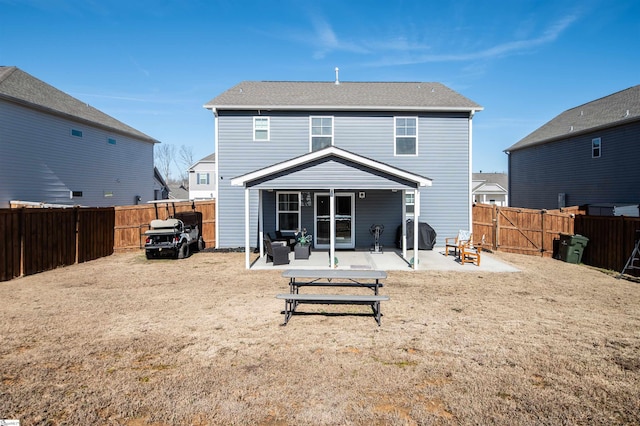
(333, 278)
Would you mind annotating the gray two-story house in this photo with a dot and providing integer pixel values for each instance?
(586, 155)
(338, 158)
(56, 149)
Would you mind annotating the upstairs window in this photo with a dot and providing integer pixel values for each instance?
(596, 148)
(203, 178)
(261, 128)
(321, 132)
(406, 142)
(288, 211)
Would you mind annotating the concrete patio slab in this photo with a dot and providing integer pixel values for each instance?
(389, 260)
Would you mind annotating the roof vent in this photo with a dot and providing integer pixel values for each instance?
(571, 129)
(337, 79)
(626, 114)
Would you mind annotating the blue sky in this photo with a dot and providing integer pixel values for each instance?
(154, 64)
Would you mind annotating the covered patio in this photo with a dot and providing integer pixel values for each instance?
(333, 172)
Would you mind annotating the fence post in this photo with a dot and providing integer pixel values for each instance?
(496, 226)
(544, 232)
(21, 236)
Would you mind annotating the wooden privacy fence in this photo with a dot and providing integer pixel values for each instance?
(523, 231)
(37, 240)
(611, 240)
(537, 232)
(131, 222)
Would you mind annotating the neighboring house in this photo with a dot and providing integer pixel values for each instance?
(177, 191)
(57, 149)
(160, 187)
(586, 155)
(490, 188)
(338, 158)
(202, 178)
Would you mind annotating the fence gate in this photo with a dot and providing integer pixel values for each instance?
(523, 231)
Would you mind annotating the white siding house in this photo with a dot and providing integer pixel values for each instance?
(57, 149)
(202, 178)
(491, 188)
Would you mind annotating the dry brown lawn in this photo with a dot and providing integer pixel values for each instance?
(126, 341)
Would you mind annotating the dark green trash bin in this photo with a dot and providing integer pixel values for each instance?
(572, 247)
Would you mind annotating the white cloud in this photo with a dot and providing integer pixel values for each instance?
(499, 50)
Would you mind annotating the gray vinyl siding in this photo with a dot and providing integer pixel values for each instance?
(443, 157)
(40, 161)
(539, 173)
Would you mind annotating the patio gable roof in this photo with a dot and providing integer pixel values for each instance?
(331, 167)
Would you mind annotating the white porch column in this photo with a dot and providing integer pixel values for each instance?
(247, 247)
(470, 171)
(416, 235)
(260, 223)
(404, 224)
(332, 228)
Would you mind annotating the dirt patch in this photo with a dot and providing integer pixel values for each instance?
(128, 341)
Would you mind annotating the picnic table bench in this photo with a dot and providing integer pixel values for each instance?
(332, 278)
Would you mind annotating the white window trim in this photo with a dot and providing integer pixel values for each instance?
(199, 174)
(268, 119)
(278, 211)
(410, 214)
(395, 135)
(311, 135)
(593, 147)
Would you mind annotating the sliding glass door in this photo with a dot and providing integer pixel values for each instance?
(344, 219)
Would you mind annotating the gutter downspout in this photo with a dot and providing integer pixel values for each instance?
(215, 145)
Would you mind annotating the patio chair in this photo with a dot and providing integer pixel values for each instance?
(471, 252)
(462, 238)
(279, 236)
(277, 252)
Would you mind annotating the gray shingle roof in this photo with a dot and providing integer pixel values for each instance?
(22, 88)
(208, 158)
(612, 110)
(501, 179)
(343, 96)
